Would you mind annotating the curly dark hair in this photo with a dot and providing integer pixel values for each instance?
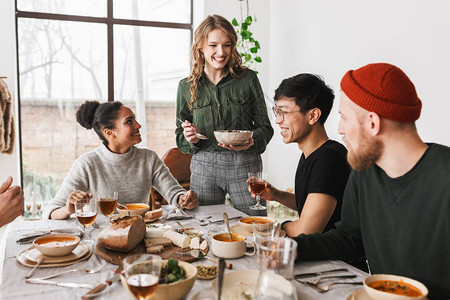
(92, 114)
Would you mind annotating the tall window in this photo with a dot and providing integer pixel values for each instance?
(134, 51)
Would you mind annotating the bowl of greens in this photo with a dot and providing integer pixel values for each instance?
(176, 280)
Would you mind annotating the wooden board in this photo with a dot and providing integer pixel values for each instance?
(172, 252)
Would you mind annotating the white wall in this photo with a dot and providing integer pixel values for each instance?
(329, 37)
(9, 163)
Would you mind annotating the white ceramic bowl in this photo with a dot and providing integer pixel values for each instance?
(381, 295)
(233, 137)
(247, 222)
(58, 244)
(134, 209)
(176, 290)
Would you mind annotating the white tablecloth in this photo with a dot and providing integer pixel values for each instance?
(14, 285)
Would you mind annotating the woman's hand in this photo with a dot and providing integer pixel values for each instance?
(188, 200)
(189, 132)
(238, 148)
(75, 196)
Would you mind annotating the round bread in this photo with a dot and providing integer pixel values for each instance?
(124, 234)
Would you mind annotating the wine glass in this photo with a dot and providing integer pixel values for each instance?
(257, 181)
(107, 203)
(141, 272)
(86, 212)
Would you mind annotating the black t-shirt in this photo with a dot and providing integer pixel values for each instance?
(325, 171)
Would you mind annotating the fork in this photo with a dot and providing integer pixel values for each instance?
(325, 288)
(317, 280)
(88, 271)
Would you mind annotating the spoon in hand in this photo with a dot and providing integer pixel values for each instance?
(225, 218)
(199, 135)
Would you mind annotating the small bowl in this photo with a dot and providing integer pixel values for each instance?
(247, 222)
(58, 244)
(233, 137)
(175, 290)
(381, 295)
(134, 209)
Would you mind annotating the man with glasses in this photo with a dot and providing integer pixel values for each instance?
(302, 105)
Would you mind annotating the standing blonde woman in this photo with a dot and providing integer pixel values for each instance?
(221, 94)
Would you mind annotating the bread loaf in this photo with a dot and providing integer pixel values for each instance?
(124, 234)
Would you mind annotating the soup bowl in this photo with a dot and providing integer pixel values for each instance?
(223, 247)
(58, 244)
(233, 137)
(393, 283)
(133, 209)
(247, 222)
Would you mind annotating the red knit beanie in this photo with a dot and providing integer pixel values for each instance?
(384, 89)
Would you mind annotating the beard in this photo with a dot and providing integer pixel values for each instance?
(369, 151)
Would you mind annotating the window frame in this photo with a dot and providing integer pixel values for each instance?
(109, 21)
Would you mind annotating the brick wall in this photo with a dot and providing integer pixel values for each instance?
(52, 139)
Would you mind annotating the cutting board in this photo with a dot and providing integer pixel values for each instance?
(172, 252)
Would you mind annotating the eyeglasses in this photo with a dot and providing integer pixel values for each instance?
(279, 113)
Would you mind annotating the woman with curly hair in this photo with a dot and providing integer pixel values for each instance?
(116, 165)
(221, 94)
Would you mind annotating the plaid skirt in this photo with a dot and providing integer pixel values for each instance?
(214, 174)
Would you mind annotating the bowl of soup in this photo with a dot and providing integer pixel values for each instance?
(393, 287)
(247, 222)
(58, 244)
(133, 209)
(233, 137)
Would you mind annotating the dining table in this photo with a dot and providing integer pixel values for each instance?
(14, 286)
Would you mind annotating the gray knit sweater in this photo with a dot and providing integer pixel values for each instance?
(130, 174)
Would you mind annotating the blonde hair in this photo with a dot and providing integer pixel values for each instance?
(198, 59)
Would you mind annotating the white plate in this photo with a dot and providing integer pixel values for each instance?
(235, 283)
(34, 254)
(359, 295)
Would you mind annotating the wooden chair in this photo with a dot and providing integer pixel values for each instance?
(179, 165)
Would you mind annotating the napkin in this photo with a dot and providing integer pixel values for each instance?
(175, 213)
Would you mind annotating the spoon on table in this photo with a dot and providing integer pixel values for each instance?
(38, 262)
(225, 218)
(199, 135)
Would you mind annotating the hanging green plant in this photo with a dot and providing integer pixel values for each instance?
(247, 46)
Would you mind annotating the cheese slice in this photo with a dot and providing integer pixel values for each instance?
(177, 239)
(204, 245)
(195, 243)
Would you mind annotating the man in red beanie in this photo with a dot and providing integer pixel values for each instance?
(397, 200)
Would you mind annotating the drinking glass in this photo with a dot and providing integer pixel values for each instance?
(257, 181)
(86, 212)
(107, 203)
(276, 264)
(262, 231)
(141, 272)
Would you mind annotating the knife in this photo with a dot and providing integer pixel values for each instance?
(220, 221)
(101, 286)
(29, 238)
(297, 276)
(58, 283)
